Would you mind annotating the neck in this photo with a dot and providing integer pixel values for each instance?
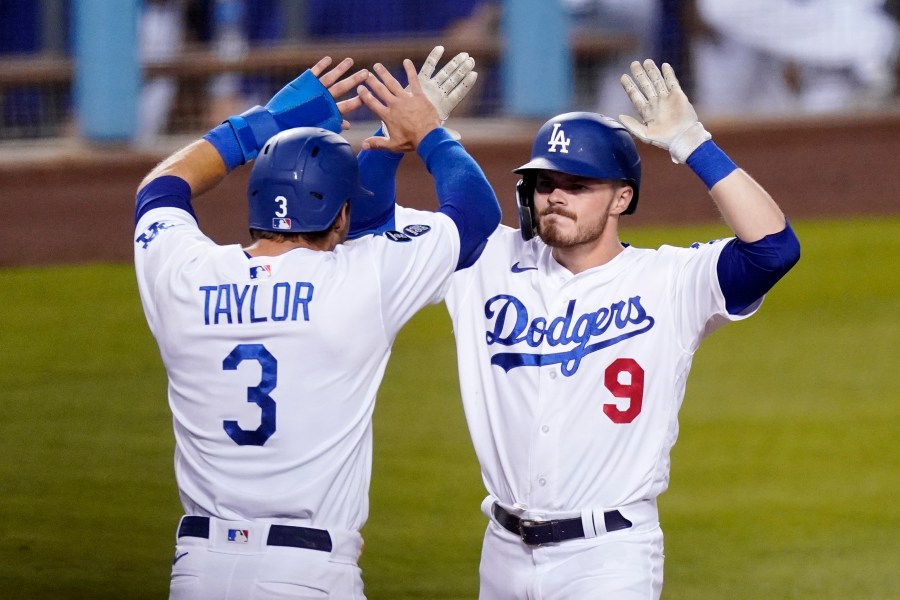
(273, 248)
(587, 255)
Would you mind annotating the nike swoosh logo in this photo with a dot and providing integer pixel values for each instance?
(179, 557)
(517, 269)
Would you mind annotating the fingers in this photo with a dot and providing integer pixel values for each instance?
(459, 74)
(643, 81)
(389, 81)
(375, 143)
(431, 62)
(376, 86)
(453, 66)
(634, 94)
(320, 66)
(637, 129)
(414, 84)
(345, 85)
(336, 73)
(368, 98)
(348, 106)
(459, 92)
(656, 78)
(669, 75)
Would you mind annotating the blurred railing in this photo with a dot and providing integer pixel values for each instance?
(39, 87)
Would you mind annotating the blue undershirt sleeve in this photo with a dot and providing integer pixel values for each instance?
(464, 193)
(747, 270)
(167, 190)
(378, 174)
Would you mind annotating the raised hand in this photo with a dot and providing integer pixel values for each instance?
(668, 119)
(451, 84)
(408, 112)
(306, 101)
(448, 88)
(337, 87)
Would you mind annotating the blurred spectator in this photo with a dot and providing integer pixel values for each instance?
(347, 19)
(600, 87)
(455, 25)
(160, 38)
(232, 28)
(790, 56)
(20, 34)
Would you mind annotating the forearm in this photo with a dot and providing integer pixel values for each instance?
(747, 208)
(464, 193)
(378, 174)
(199, 164)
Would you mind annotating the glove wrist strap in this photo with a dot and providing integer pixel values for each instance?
(687, 141)
(225, 141)
(253, 128)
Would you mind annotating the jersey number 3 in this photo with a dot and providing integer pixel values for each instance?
(633, 390)
(258, 394)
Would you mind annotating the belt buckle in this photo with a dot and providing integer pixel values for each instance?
(526, 523)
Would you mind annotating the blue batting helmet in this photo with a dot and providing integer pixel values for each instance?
(301, 179)
(584, 144)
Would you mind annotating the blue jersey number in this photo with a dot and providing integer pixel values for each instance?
(258, 395)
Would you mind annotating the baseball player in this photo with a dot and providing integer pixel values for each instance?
(574, 349)
(274, 352)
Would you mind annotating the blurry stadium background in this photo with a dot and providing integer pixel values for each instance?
(783, 475)
(107, 88)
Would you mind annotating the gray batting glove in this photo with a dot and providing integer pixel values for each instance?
(451, 84)
(668, 118)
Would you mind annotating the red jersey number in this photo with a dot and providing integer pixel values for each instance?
(633, 390)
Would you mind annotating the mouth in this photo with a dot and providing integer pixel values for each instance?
(557, 212)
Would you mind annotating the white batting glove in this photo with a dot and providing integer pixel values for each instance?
(669, 119)
(451, 84)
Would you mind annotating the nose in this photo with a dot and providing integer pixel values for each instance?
(556, 196)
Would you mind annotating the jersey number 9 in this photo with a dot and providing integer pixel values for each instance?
(633, 390)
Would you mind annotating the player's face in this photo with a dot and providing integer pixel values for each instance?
(572, 210)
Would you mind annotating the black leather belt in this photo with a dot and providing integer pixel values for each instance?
(279, 535)
(535, 533)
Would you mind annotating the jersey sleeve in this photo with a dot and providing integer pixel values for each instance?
(167, 240)
(699, 304)
(415, 262)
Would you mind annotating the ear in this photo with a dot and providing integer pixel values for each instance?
(342, 220)
(621, 200)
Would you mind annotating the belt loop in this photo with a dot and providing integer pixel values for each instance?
(588, 524)
(598, 517)
(487, 506)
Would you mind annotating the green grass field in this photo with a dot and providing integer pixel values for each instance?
(785, 479)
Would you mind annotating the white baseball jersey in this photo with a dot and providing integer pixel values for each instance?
(572, 383)
(274, 362)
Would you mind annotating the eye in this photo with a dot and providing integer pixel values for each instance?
(543, 185)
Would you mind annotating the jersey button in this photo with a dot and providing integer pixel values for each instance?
(545, 428)
(542, 481)
(552, 374)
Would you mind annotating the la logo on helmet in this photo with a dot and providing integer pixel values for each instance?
(558, 138)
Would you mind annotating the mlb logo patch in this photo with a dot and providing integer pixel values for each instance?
(281, 223)
(416, 230)
(261, 272)
(239, 536)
